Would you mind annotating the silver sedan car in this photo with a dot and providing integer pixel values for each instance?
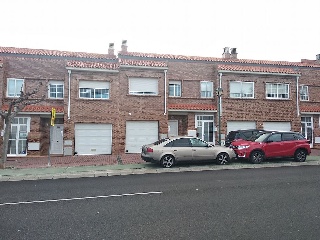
(169, 151)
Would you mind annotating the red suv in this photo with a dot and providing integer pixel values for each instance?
(273, 145)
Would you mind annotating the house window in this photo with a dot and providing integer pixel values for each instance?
(277, 91)
(56, 89)
(143, 86)
(240, 89)
(304, 93)
(175, 88)
(14, 87)
(94, 89)
(206, 89)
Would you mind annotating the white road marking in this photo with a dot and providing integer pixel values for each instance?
(80, 198)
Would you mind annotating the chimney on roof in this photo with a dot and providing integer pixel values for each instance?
(234, 53)
(229, 53)
(124, 47)
(111, 49)
(318, 57)
(226, 52)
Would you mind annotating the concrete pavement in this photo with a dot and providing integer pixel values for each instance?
(118, 168)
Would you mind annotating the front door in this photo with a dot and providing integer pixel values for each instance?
(173, 128)
(56, 139)
(307, 129)
(207, 131)
(205, 128)
(18, 137)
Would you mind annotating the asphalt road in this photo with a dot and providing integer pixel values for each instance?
(269, 203)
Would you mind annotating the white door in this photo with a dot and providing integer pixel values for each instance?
(139, 133)
(17, 145)
(239, 125)
(93, 138)
(173, 128)
(277, 126)
(307, 129)
(208, 131)
(56, 143)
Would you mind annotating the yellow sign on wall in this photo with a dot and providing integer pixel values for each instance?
(53, 116)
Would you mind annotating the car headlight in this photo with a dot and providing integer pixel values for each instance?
(243, 147)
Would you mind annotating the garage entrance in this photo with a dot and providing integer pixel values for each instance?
(139, 133)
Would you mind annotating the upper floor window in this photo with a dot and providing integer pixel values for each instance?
(14, 87)
(143, 86)
(175, 88)
(56, 89)
(240, 89)
(206, 89)
(94, 89)
(277, 91)
(304, 93)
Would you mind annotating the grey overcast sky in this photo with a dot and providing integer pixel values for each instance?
(287, 30)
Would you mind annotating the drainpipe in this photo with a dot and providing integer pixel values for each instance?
(220, 86)
(165, 92)
(219, 92)
(298, 109)
(69, 91)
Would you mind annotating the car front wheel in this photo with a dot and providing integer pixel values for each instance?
(223, 158)
(167, 161)
(256, 157)
(300, 155)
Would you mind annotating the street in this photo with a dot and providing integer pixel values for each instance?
(264, 203)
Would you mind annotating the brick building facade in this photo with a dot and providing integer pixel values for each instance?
(112, 104)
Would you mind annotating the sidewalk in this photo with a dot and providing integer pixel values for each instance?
(33, 168)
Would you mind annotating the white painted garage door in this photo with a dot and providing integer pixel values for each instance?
(93, 139)
(277, 126)
(139, 133)
(238, 125)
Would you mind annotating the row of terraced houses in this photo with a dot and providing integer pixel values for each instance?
(114, 103)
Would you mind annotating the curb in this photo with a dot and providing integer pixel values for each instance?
(144, 170)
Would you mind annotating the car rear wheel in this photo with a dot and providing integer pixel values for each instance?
(256, 157)
(223, 158)
(167, 161)
(300, 155)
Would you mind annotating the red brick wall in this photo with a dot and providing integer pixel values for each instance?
(311, 78)
(2, 92)
(259, 109)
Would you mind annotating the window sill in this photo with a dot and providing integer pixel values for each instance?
(137, 95)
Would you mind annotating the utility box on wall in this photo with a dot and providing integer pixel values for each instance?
(67, 151)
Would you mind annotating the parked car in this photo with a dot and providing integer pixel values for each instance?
(273, 145)
(245, 134)
(167, 152)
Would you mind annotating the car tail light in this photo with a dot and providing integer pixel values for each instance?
(149, 149)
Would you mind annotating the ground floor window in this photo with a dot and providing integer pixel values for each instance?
(205, 127)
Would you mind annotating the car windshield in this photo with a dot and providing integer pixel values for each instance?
(262, 137)
(160, 141)
(255, 136)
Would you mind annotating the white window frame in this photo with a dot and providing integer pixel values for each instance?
(92, 87)
(55, 85)
(241, 93)
(143, 86)
(200, 118)
(17, 88)
(176, 85)
(276, 91)
(206, 90)
(304, 93)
